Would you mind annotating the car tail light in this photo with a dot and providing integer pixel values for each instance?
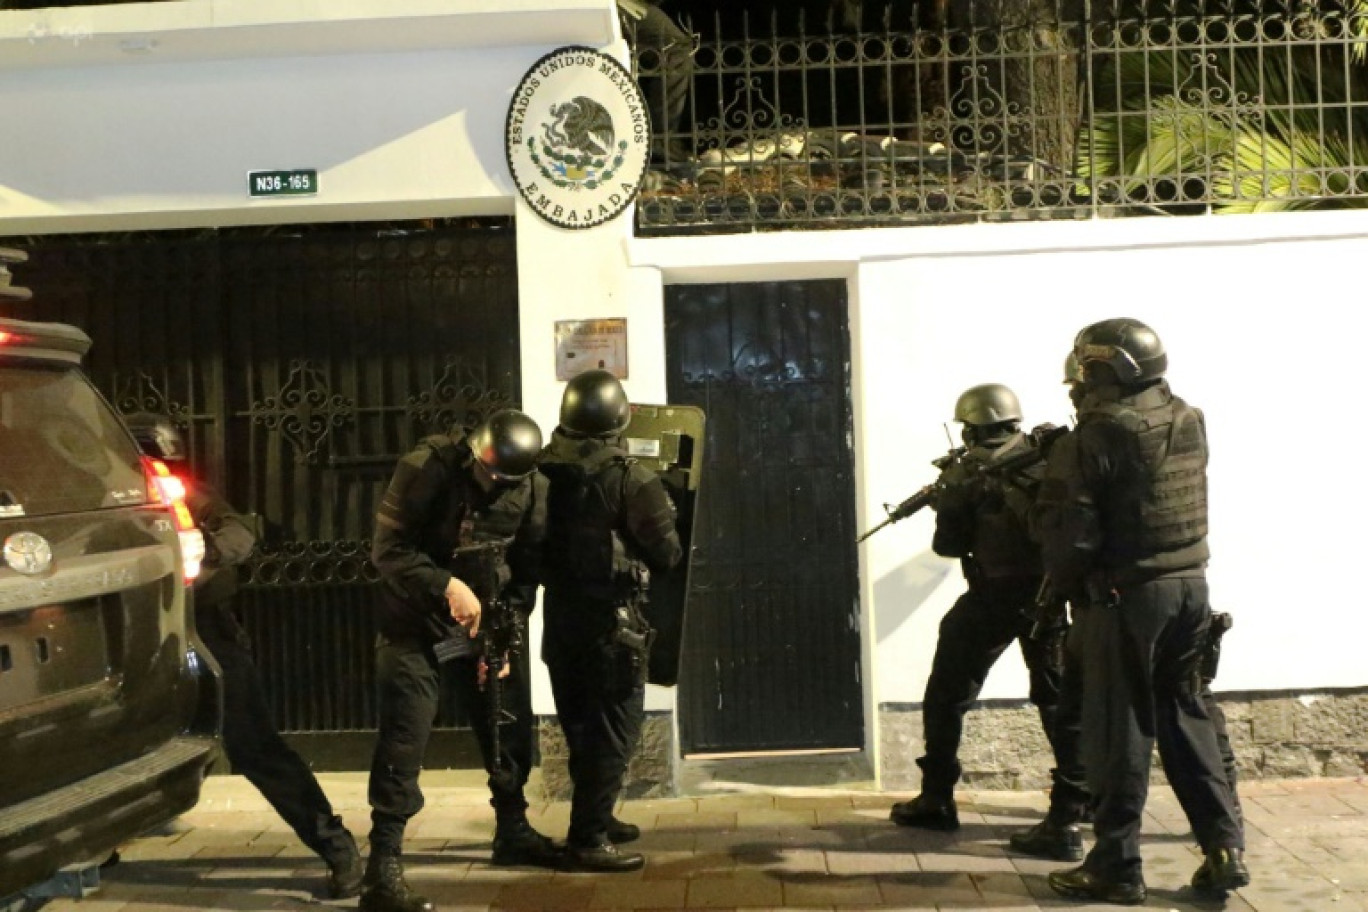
(168, 490)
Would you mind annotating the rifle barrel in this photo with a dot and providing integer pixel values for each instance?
(873, 530)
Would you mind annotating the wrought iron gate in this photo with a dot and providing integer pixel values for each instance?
(301, 363)
(772, 644)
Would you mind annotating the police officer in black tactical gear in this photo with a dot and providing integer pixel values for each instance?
(1122, 521)
(1039, 839)
(452, 491)
(250, 739)
(611, 525)
(981, 518)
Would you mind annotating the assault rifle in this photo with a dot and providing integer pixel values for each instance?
(1044, 437)
(917, 501)
(502, 634)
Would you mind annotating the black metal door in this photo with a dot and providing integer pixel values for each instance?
(301, 363)
(772, 641)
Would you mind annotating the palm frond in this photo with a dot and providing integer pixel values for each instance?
(1262, 127)
(1266, 174)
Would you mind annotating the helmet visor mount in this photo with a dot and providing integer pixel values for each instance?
(1122, 363)
(1132, 353)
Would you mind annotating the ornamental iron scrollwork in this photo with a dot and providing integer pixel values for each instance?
(1162, 108)
(458, 397)
(310, 563)
(141, 393)
(1206, 99)
(760, 366)
(305, 410)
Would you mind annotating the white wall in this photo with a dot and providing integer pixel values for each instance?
(1258, 335)
(169, 146)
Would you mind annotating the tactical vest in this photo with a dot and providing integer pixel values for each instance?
(583, 545)
(463, 522)
(1002, 546)
(1172, 445)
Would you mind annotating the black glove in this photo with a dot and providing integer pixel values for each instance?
(1046, 435)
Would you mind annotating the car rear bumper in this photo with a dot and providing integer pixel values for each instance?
(88, 819)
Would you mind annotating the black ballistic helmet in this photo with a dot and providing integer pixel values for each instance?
(507, 444)
(157, 436)
(988, 403)
(1128, 347)
(595, 405)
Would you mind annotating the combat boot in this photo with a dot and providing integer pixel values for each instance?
(1080, 883)
(517, 843)
(1048, 839)
(926, 812)
(1222, 871)
(384, 888)
(345, 871)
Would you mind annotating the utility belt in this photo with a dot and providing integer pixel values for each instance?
(1103, 588)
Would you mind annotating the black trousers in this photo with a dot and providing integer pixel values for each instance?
(1138, 688)
(600, 702)
(255, 748)
(1068, 807)
(977, 629)
(408, 685)
(601, 730)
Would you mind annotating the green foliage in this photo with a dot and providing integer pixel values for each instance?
(1279, 125)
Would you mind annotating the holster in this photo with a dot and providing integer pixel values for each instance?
(1209, 658)
(628, 649)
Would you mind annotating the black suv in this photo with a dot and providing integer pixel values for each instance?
(109, 708)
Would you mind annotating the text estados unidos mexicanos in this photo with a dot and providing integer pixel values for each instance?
(620, 79)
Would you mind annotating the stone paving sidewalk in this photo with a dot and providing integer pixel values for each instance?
(774, 849)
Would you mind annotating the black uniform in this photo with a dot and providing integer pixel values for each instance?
(433, 505)
(1122, 518)
(250, 739)
(983, 521)
(609, 520)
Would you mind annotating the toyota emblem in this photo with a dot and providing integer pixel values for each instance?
(28, 553)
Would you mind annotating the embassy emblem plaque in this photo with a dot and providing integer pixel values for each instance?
(578, 137)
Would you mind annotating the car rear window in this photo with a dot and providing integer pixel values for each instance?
(62, 449)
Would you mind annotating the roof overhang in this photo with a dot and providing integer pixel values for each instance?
(191, 30)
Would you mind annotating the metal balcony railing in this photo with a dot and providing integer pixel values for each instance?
(989, 110)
